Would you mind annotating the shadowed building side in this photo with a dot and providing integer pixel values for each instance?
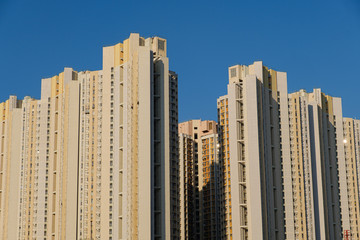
(199, 180)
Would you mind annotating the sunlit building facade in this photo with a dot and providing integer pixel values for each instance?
(10, 137)
(286, 168)
(101, 156)
(301, 210)
(253, 132)
(97, 156)
(352, 162)
(319, 205)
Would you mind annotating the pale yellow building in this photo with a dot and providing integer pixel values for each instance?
(352, 161)
(253, 128)
(10, 137)
(318, 170)
(42, 162)
(302, 207)
(101, 156)
(287, 169)
(97, 156)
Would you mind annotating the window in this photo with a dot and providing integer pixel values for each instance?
(233, 72)
(161, 44)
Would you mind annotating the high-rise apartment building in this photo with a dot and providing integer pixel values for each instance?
(199, 178)
(97, 156)
(300, 212)
(253, 132)
(42, 163)
(287, 169)
(352, 163)
(318, 178)
(101, 156)
(10, 137)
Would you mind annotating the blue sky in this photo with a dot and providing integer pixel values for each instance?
(316, 42)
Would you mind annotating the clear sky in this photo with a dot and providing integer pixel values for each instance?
(317, 42)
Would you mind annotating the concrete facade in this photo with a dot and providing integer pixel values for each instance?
(101, 156)
(352, 162)
(252, 134)
(318, 166)
(284, 162)
(98, 153)
(199, 178)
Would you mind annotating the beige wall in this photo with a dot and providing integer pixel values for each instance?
(92, 148)
(10, 169)
(253, 146)
(317, 155)
(351, 147)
